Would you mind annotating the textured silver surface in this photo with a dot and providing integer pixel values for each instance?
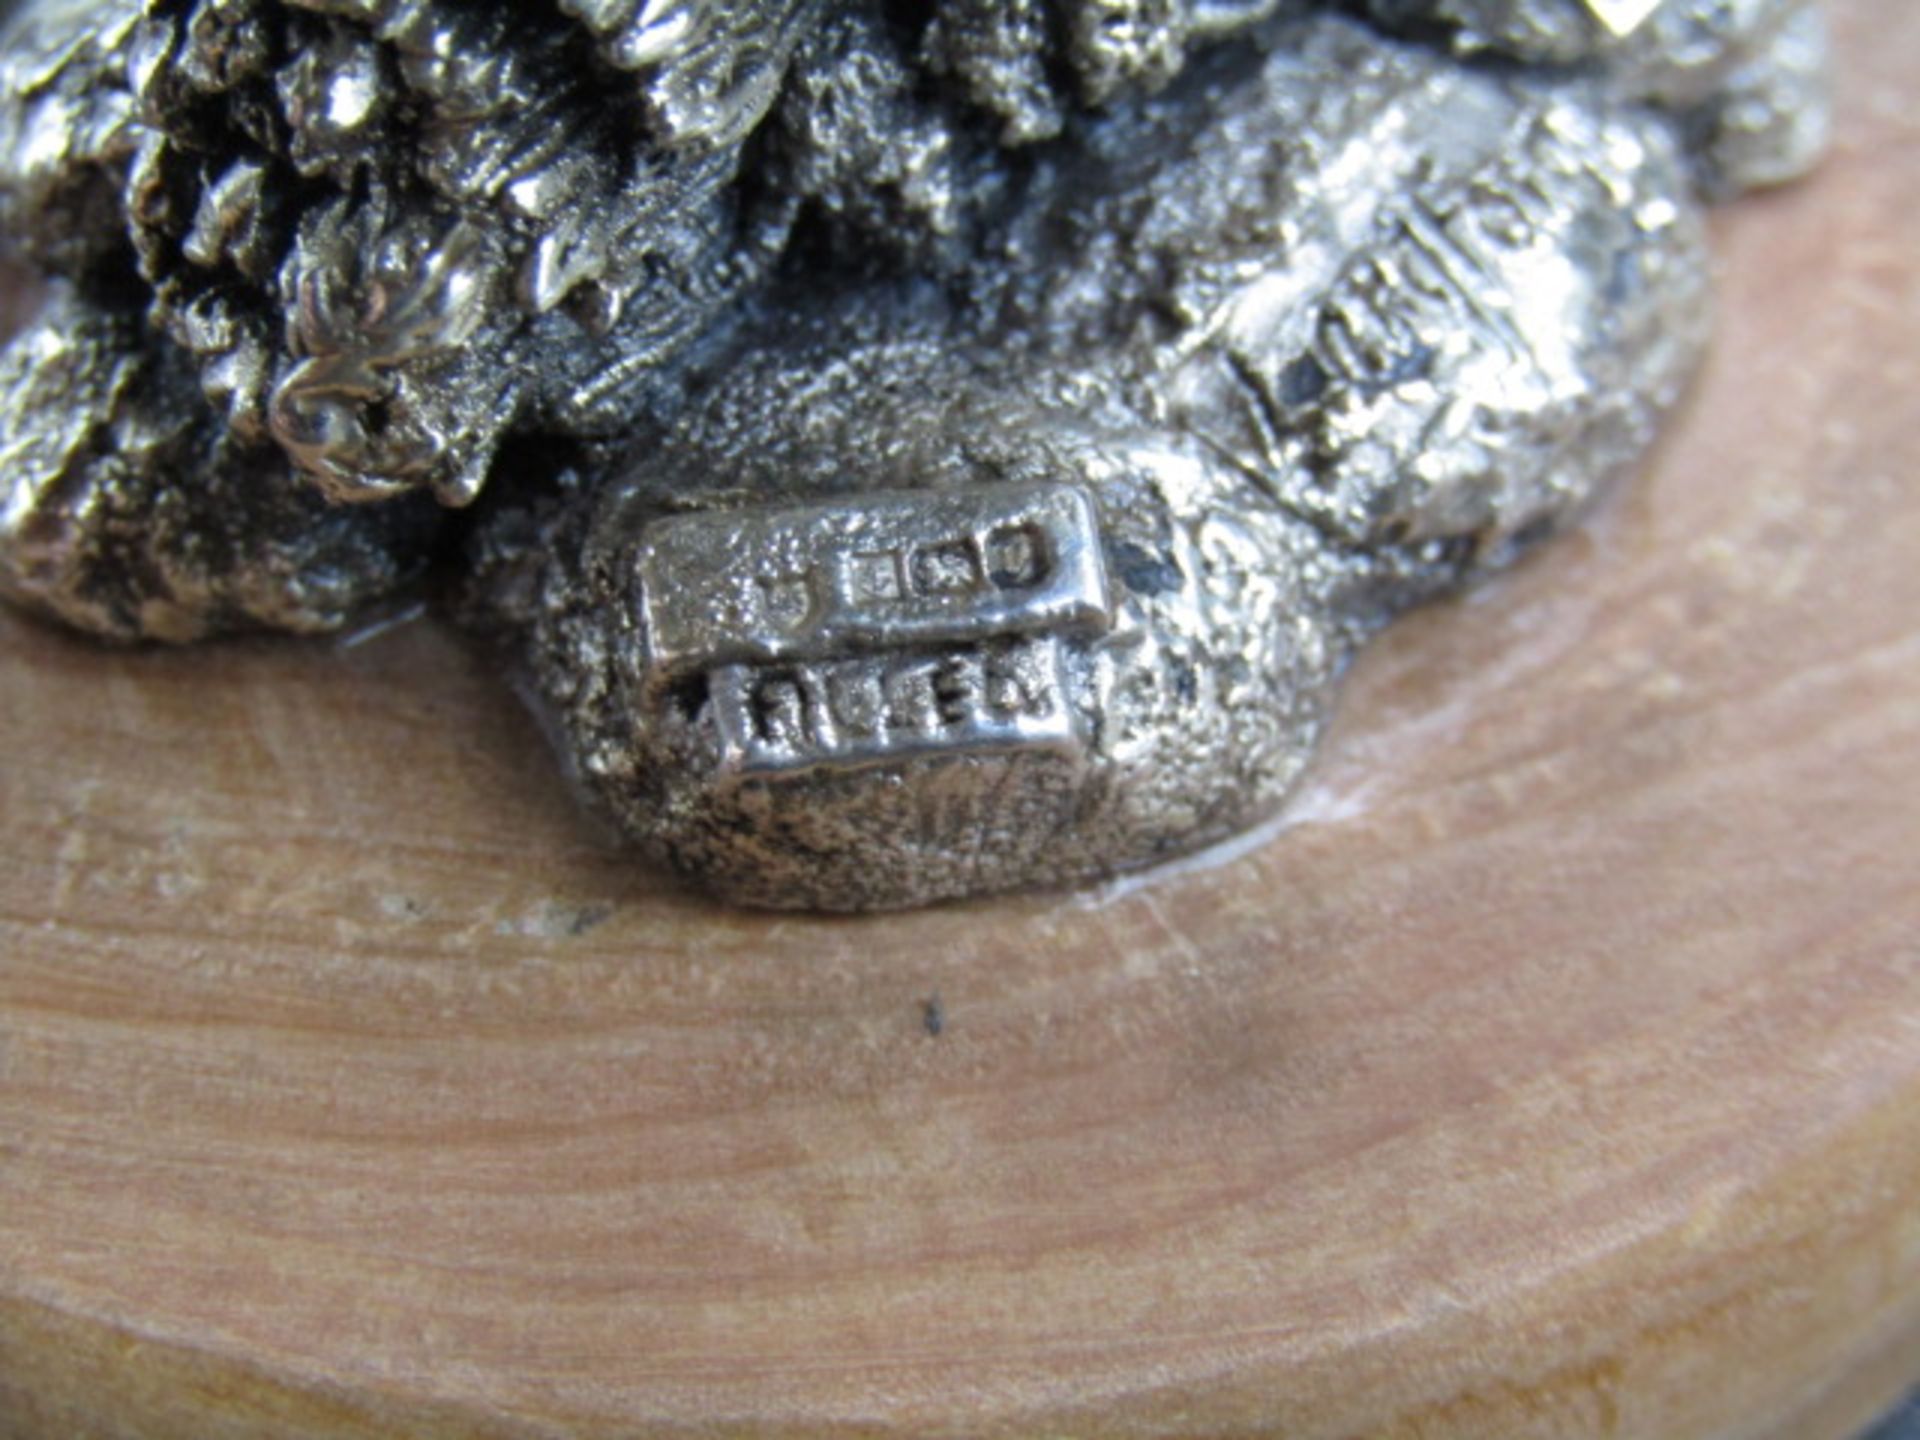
(925, 450)
(1307, 367)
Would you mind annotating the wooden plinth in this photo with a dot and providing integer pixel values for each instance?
(1555, 1071)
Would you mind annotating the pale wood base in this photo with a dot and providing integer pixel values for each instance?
(1555, 1073)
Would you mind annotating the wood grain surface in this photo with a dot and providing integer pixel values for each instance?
(1553, 1070)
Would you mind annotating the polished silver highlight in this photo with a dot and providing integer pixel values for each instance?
(908, 452)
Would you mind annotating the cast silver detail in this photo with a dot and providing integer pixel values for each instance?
(907, 451)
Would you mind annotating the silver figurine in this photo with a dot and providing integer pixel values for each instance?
(911, 452)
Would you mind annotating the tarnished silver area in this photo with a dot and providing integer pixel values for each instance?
(127, 511)
(389, 232)
(925, 449)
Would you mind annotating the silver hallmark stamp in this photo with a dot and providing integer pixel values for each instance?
(904, 624)
(809, 582)
(872, 709)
